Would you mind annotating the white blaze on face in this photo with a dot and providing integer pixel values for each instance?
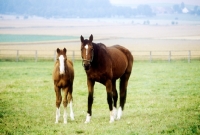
(86, 47)
(62, 67)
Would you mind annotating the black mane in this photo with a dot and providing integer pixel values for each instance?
(100, 54)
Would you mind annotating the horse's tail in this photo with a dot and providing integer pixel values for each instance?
(125, 77)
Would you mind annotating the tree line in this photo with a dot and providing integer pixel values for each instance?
(76, 8)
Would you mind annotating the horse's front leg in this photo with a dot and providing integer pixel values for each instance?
(110, 99)
(58, 101)
(69, 98)
(65, 102)
(90, 84)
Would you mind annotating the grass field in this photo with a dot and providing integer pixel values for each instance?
(163, 98)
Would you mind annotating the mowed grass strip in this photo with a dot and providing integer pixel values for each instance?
(7, 38)
(162, 98)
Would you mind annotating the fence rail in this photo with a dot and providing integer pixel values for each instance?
(36, 55)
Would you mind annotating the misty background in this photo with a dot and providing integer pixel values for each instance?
(93, 8)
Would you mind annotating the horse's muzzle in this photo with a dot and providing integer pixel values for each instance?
(86, 66)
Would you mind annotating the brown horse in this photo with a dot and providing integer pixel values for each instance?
(105, 65)
(63, 77)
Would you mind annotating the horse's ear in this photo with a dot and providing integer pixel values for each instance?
(58, 50)
(91, 38)
(64, 50)
(82, 39)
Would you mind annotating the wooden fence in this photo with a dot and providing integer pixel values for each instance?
(39, 55)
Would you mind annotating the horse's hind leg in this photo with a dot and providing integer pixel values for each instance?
(115, 98)
(58, 101)
(123, 92)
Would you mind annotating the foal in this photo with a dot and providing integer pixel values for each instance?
(63, 76)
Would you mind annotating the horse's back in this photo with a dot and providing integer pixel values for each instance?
(128, 55)
(120, 62)
(122, 57)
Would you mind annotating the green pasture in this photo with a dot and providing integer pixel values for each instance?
(162, 98)
(31, 38)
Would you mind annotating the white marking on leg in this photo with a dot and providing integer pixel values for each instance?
(115, 113)
(65, 115)
(71, 111)
(88, 117)
(112, 119)
(62, 66)
(57, 114)
(119, 113)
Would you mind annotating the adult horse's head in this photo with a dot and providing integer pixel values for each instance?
(61, 58)
(87, 52)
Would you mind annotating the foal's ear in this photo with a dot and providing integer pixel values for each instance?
(82, 39)
(91, 38)
(64, 50)
(58, 50)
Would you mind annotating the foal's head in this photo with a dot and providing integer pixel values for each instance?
(87, 52)
(61, 58)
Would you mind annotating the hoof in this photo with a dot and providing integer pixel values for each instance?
(88, 117)
(72, 117)
(119, 113)
(111, 121)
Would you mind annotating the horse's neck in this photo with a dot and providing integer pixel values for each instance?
(66, 66)
(100, 54)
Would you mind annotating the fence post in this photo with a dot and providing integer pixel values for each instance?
(73, 56)
(169, 60)
(36, 57)
(189, 56)
(150, 57)
(54, 56)
(17, 56)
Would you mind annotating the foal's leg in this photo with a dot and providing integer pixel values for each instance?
(58, 101)
(65, 102)
(115, 98)
(90, 84)
(123, 91)
(70, 98)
